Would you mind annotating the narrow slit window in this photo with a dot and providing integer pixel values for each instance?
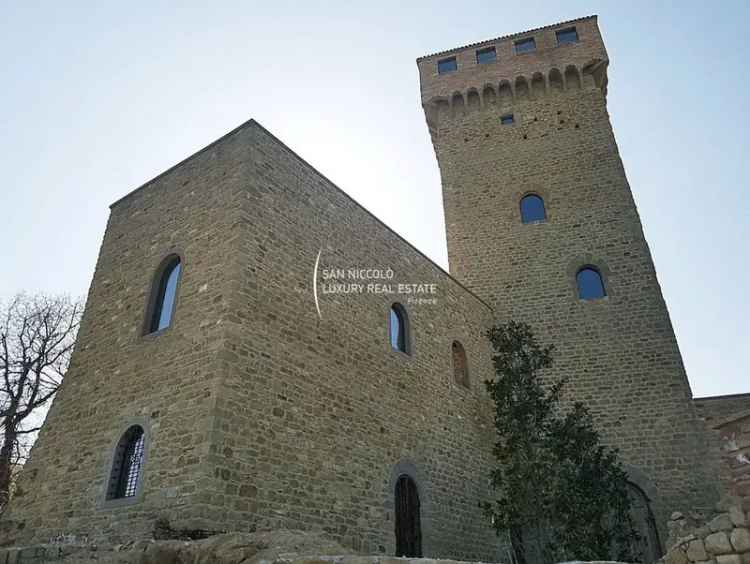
(447, 65)
(527, 45)
(486, 55)
(399, 329)
(163, 301)
(460, 369)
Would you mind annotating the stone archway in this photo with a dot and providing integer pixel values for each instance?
(647, 547)
(408, 524)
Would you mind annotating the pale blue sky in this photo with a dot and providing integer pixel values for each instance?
(97, 98)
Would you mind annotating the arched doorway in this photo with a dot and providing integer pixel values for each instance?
(408, 527)
(647, 548)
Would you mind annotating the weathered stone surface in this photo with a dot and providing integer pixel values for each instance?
(718, 543)
(721, 522)
(696, 551)
(282, 547)
(740, 539)
(737, 516)
(676, 556)
(729, 559)
(683, 541)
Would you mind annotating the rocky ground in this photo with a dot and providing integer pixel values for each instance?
(234, 548)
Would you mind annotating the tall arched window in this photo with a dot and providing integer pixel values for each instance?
(165, 291)
(126, 464)
(460, 369)
(532, 209)
(398, 327)
(590, 283)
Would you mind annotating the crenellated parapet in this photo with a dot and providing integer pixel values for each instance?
(507, 93)
(527, 66)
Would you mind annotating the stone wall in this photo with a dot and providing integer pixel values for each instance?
(733, 438)
(619, 352)
(722, 539)
(318, 415)
(715, 408)
(118, 376)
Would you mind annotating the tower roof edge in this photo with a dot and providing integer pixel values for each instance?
(504, 37)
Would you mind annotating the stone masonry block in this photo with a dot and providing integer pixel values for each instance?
(740, 539)
(718, 543)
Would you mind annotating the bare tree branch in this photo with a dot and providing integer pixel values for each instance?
(37, 337)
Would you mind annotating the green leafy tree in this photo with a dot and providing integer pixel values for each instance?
(559, 493)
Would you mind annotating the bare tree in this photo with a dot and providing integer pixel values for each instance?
(37, 334)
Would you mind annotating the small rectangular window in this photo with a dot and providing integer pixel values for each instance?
(486, 55)
(447, 65)
(507, 119)
(569, 35)
(525, 45)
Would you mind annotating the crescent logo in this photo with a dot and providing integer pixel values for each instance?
(315, 282)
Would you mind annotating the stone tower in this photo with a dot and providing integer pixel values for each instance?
(527, 115)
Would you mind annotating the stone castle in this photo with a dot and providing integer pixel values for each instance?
(259, 351)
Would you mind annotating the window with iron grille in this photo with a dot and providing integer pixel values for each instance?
(127, 464)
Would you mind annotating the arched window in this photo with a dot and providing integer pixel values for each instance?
(126, 464)
(165, 291)
(460, 370)
(590, 284)
(399, 328)
(532, 209)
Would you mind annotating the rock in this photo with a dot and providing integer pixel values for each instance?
(729, 559)
(676, 515)
(721, 523)
(696, 551)
(282, 546)
(740, 539)
(718, 543)
(684, 540)
(737, 516)
(676, 556)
